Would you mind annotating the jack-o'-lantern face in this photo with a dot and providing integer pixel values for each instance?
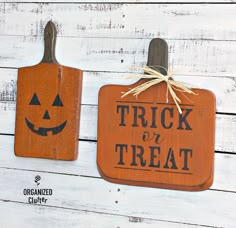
(48, 111)
(43, 131)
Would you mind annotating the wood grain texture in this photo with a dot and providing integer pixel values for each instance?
(148, 140)
(48, 111)
(225, 127)
(26, 216)
(86, 194)
(86, 166)
(178, 21)
(224, 88)
(111, 37)
(186, 57)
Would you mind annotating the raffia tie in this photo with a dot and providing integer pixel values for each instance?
(155, 78)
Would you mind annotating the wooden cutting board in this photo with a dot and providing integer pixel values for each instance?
(48, 106)
(145, 141)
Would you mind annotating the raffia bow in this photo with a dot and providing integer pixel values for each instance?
(155, 78)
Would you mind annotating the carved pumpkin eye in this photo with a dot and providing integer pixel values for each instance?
(34, 100)
(57, 101)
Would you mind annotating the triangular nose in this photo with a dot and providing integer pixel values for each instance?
(46, 115)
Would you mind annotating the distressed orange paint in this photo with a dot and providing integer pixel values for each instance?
(144, 141)
(48, 128)
(48, 107)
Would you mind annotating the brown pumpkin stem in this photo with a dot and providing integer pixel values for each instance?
(158, 55)
(50, 33)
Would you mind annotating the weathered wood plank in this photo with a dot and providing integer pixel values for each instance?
(178, 21)
(224, 89)
(225, 127)
(22, 215)
(202, 42)
(214, 208)
(85, 165)
(186, 57)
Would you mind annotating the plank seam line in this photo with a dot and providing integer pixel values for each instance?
(219, 190)
(88, 140)
(112, 214)
(85, 176)
(41, 37)
(95, 141)
(225, 153)
(226, 113)
(51, 172)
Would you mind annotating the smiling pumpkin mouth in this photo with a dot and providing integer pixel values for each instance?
(44, 131)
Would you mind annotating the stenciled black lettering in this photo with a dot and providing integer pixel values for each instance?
(153, 125)
(163, 117)
(186, 153)
(183, 120)
(137, 155)
(147, 137)
(120, 148)
(170, 158)
(157, 137)
(153, 155)
(123, 110)
(140, 116)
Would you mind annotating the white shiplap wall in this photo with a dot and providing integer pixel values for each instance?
(104, 39)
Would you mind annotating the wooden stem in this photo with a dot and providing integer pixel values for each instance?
(50, 33)
(158, 55)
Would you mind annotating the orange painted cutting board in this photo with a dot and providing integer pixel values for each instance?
(145, 141)
(48, 107)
